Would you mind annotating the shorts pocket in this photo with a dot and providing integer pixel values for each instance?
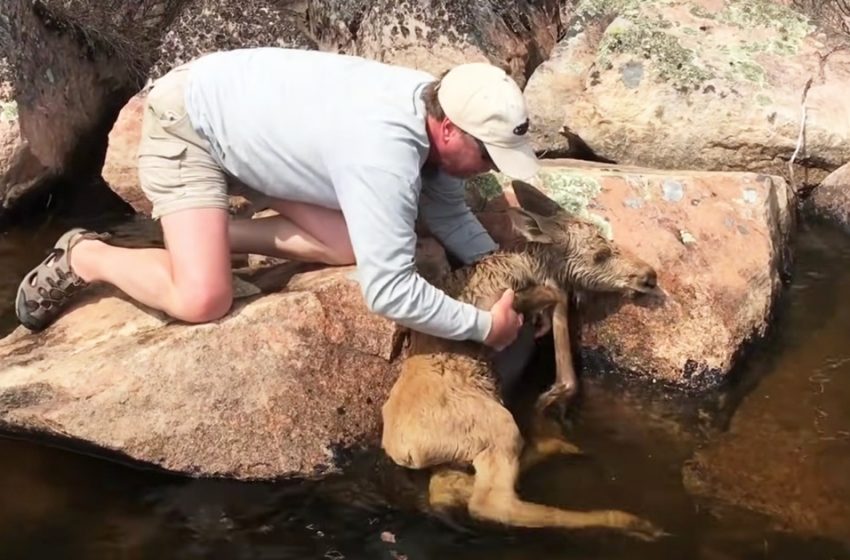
(161, 152)
(170, 121)
(159, 163)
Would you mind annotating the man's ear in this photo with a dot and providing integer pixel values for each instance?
(449, 129)
(528, 225)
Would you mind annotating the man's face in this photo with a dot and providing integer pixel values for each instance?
(462, 155)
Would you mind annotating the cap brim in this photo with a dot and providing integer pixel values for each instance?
(518, 163)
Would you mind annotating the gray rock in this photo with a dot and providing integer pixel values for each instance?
(830, 201)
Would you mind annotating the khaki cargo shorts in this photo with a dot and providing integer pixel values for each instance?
(176, 170)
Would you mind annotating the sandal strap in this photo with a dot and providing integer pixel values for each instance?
(74, 236)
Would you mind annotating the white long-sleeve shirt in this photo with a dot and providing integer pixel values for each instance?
(347, 133)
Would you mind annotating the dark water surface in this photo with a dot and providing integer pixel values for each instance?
(767, 463)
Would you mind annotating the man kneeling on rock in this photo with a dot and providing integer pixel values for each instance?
(347, 151)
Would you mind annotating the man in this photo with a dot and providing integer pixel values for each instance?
(348, 151)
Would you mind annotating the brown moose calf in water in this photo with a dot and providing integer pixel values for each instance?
(446, 408)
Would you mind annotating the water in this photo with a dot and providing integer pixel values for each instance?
(771, 455)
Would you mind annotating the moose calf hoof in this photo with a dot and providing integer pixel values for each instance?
(644, 530)
(556, 399)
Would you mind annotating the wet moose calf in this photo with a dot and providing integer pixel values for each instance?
(446, 410)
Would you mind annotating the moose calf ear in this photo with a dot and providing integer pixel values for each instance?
(534, 200)
(528, 225)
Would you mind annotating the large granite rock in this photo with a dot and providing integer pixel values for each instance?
(434, 35)
(120, 168)
(697, 84)
(287, 384)
(72, 68)
(210, 25)
(74, 65)
(20, 170)
(830, 201)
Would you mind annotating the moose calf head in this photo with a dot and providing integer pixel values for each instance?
(575, 250)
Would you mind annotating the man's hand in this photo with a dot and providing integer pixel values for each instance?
(506, 322)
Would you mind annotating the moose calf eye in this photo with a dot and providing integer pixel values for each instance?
(602, 255)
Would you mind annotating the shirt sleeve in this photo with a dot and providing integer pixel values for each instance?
(380, 210)
(449, 218)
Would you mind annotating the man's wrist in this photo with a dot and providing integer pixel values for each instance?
(483, 325)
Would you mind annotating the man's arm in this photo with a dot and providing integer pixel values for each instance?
(445, 212)
(380, 210)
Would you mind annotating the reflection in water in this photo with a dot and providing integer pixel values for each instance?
(784, 444)
(786, 452)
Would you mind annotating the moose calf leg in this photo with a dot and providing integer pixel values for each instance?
(544, 438)
(449, 488)
(536, 298)
(539, 449)
(565, 384)
(494, 499)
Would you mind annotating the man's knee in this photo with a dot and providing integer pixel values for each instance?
(202, 305)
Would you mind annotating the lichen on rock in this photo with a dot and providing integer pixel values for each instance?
(205, 26)
(488, 185)
(6, 89)
(8, 111)
(575, 193)
(747, 14)
(646, 38)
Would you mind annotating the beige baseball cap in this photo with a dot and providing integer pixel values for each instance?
(485, 102)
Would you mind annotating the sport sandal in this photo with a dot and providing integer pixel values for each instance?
(48, 288)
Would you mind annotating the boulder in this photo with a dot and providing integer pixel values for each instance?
(73, 69)
(20, 170)
(719, 240)
(211, 25)
(830, 201)
(120, 170)
(75, 65)
(287, 384)
(6, 89)
(704, 85)
(434, 35)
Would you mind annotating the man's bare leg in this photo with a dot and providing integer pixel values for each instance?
(302, 232)
(189, 280)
